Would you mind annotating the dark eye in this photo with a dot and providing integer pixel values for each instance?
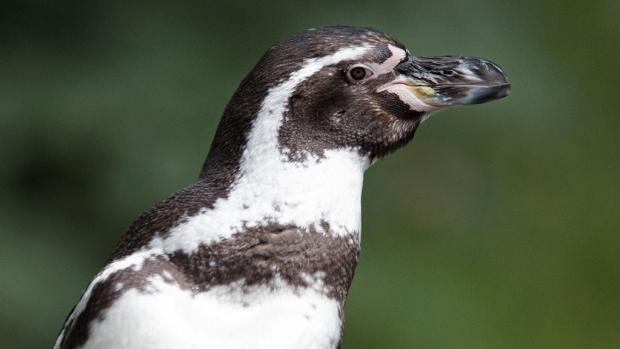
(357, 73)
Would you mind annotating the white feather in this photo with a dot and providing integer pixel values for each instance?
(276, 316)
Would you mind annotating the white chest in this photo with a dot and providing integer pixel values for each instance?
(223, 317)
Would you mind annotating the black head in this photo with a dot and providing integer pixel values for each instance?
(347, 87)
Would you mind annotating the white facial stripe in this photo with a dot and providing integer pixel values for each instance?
(264, 135)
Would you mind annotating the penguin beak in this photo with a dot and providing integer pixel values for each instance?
(433, 83)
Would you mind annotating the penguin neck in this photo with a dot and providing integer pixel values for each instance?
(266, 186)
(320, 194)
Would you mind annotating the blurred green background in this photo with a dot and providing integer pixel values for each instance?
(498, 227)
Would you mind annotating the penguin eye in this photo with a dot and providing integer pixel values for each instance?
(358, 72)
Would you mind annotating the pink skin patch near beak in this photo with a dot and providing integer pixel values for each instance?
(409, 94)
(399, 87)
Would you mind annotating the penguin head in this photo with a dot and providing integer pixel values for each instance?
(347, 88)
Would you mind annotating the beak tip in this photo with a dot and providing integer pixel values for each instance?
(485, 94)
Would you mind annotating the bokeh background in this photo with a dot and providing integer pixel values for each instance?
(498, 227)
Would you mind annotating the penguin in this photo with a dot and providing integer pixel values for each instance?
(261, 250)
